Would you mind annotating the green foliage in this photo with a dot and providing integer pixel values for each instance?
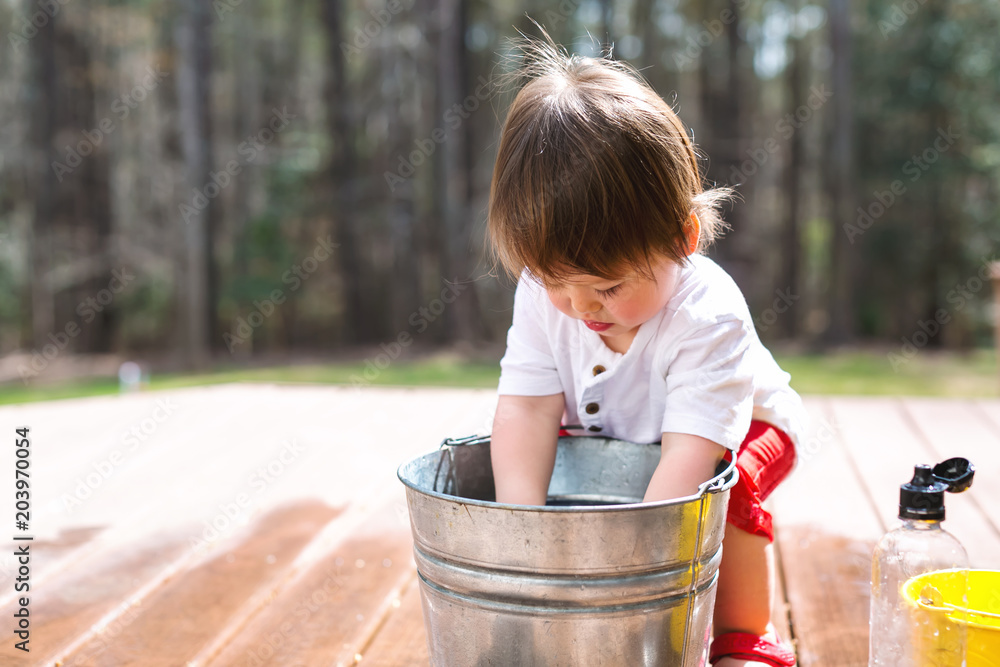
(270, 248)
(146, 312)
(920, 68)
(12, 268)
(925, 71)
(10, 310)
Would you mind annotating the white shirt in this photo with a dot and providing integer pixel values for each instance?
(696, 367)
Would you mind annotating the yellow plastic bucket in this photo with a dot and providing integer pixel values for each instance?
(942, 619)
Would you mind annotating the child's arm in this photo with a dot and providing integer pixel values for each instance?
(523, 446)
(686, 461)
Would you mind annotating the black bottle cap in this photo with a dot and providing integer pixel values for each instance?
(923, 496)
(956, 473)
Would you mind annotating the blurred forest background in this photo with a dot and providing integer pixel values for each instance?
(196, 180)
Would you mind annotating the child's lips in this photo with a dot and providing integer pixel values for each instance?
(597, 326)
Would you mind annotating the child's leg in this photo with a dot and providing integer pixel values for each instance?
(745, 590)
(746, 575)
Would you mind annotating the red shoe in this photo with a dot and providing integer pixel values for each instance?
(746, 646)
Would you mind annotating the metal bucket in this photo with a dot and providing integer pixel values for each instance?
(592, 578)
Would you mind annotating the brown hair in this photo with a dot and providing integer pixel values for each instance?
(594, 174)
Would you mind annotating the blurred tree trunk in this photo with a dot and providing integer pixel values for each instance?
(840, 191)
(941, 242)
(455, 186)
(399, 69)
(43, 114)
(72, 222)
(194, 71)
(171, 180)
(724, 95)
(944, 234)
(90, 203)
(791, 239)
(340, 187)
(246, 119)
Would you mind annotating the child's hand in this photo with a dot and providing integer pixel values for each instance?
(686, 461)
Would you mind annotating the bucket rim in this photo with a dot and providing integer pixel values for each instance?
(716, 484)
(960, 615)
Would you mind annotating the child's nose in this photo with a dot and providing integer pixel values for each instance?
(583, 302)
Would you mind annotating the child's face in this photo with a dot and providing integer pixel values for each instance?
(616, 308)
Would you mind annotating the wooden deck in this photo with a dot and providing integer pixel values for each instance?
(264, 525)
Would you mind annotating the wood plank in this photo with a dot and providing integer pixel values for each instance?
(156, 520)
(402, 640)
(826, 529)
(227, 449)
(187, 611)
(76, 600)
(780, 608)
(329, 614)
(97, 582)
(68, 438)
(46, 555)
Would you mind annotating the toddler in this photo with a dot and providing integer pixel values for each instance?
(622, 328)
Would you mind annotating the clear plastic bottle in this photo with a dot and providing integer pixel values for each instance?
(918, 546)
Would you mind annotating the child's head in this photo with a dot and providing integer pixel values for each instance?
(595, 174)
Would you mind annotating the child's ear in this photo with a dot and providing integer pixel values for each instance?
(692, 233)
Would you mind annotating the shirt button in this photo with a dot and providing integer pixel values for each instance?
(595, 429)
(598, 369)
(592, 408)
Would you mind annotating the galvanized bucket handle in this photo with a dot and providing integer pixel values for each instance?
(448, 453)
(718, 481)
